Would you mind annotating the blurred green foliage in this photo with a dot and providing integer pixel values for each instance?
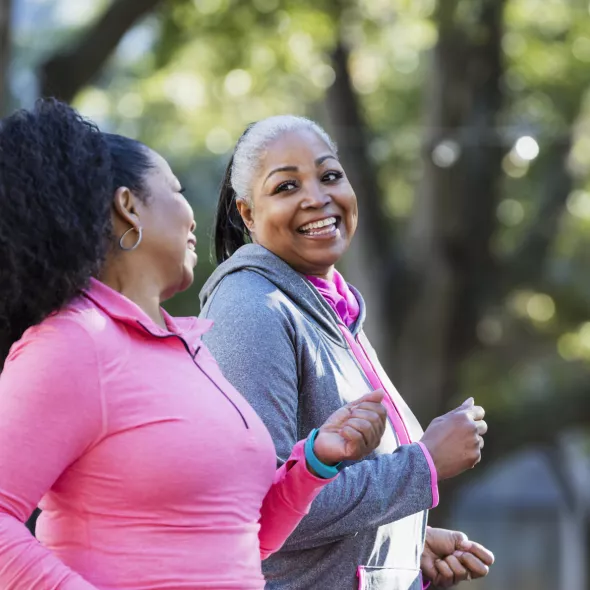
(188, 79)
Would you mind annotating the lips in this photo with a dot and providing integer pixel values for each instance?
(325, 225)
(191, 244)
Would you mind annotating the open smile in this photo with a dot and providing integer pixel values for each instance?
(326, 227)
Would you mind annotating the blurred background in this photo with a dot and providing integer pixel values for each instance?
(464, 126)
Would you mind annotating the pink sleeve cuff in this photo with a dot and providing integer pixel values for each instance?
(433, 475)
(304, 485)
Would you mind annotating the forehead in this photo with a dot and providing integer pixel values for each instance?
(160, 166)
(294, 148)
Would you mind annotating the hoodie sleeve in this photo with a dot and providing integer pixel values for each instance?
(254, 341)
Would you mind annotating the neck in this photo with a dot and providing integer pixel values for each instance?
(138, 289)
(327, 275)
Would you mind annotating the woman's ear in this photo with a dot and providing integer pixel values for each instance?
(246, 212)
(124, 205)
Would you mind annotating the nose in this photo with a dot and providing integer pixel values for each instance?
(193, 226)
(316, 196)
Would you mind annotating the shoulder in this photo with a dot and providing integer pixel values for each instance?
(73, 336)
(248, 295)
(54, 342)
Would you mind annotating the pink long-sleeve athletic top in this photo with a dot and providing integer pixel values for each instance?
(152, 471)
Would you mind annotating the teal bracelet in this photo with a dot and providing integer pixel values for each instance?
(324, 471)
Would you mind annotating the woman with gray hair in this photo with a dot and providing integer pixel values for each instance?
(288, 333)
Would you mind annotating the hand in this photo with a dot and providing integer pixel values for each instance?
(455, 439)
(449, 558)
(353, 431)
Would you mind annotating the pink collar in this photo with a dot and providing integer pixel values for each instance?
(123, 309)
(339, 296)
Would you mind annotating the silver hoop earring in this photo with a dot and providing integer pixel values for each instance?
(139, 238)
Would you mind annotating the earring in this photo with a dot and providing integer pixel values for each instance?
(139, 238)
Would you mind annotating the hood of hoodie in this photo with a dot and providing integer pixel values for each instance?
(293, 284)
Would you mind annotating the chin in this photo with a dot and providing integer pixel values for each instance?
(327, 259)
(187, 279)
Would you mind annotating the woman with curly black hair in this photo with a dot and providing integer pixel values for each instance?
(152, 471)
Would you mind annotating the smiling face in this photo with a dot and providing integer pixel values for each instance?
(169, 224)
(166, 256)
(303, 208)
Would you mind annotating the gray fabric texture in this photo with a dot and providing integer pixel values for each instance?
(278, 342)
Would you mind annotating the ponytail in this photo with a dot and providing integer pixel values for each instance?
(230, 231)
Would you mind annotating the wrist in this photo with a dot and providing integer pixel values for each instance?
(318, 454)
(314, 464)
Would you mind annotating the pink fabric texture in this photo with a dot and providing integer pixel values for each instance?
(152, 471)
(341, 298)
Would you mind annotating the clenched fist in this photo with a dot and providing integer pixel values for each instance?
(353, 431)
(455, 440)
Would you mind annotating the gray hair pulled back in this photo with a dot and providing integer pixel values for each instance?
(230, 232)
(252, 145)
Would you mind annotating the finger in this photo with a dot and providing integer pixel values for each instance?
(475, 566)
(357, 442)
(375, 396)
(458, 569)
(376, 421)
(476, 412)
(378, 408)
(482, 427)
(370, 415)
(481, 442)
(445, 572)
(364, 428)
(482, 553)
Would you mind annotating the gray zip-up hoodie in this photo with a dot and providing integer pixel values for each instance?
(280, 344)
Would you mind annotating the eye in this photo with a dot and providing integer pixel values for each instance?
(286, 186)
(332, 176)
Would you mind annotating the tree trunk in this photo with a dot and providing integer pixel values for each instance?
(65, 73)
(5, 42)
(369, 262)
(453, 219)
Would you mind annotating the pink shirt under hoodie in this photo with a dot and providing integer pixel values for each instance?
(151, 469)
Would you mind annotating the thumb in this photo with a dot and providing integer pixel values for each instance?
(468, 403)
(461, 541)
(375, 396)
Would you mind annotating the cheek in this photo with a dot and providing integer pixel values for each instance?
(274, 221)
(347, 201)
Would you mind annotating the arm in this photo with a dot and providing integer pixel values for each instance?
(351, 432)
(288, 501)
(50, 412)
(253, 342)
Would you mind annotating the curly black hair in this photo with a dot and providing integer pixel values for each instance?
(58, 175)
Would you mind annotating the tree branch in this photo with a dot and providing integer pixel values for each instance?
(64, 74)
(5, 42)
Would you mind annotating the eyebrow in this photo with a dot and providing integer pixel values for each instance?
(318, 162)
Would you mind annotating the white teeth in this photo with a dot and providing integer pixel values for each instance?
(318, 224)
